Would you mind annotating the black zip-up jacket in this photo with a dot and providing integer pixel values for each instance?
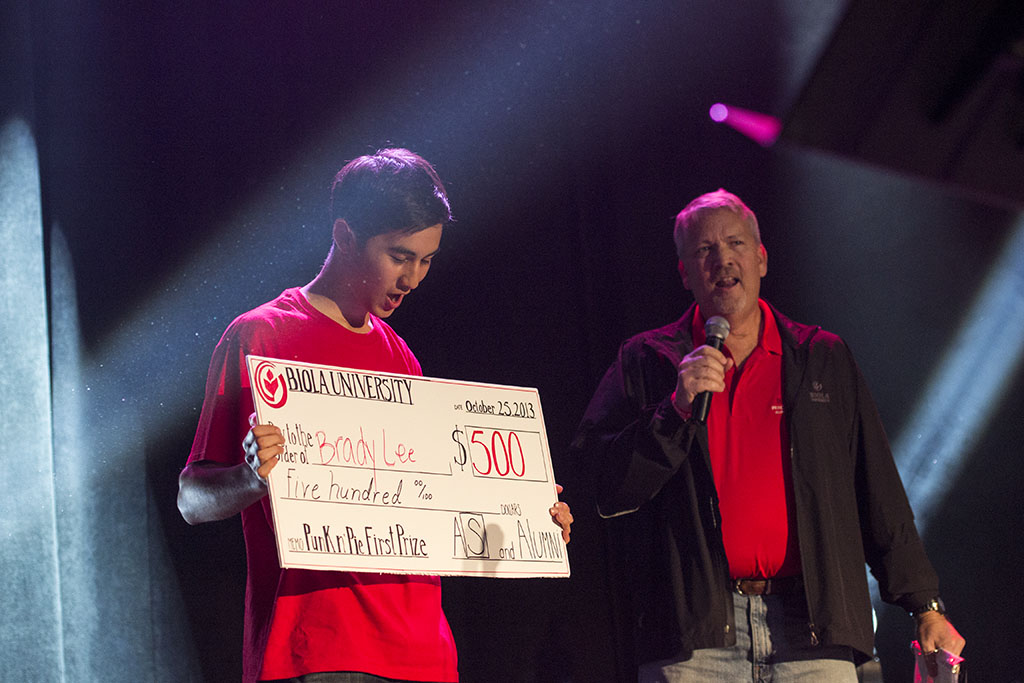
(653, 479)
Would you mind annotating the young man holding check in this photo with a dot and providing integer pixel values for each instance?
(388, 210)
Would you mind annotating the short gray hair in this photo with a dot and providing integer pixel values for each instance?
(710, 202)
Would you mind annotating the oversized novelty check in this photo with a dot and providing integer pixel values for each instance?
(408, 475)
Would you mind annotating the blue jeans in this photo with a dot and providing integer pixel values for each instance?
(773, 645)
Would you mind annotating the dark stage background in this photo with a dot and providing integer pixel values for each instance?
(184, 153)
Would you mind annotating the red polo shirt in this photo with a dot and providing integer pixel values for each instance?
(750, 461)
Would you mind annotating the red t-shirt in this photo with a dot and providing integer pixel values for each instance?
(303, 621)
(749, 445)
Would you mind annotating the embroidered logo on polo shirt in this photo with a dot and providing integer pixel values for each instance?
(819, 396)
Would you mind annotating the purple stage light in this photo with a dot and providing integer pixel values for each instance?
(718, 112)
(763, 129)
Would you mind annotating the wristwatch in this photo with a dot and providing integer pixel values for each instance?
(933, 605)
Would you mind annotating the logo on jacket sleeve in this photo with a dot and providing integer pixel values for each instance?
(817, 395)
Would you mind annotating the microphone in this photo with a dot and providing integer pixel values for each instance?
(716, 329)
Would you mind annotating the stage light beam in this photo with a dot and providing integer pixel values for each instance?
(973, 376)
(763, 129)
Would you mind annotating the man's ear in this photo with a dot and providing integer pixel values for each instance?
(682, 273)
(344, 238)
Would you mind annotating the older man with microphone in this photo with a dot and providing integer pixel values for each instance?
(750, 480)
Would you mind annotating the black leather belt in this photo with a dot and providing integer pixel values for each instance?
(778, 586)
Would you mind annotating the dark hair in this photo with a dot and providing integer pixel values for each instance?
(393, 189)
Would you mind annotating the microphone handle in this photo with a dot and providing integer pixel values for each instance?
(702, 401)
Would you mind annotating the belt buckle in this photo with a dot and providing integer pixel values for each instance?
(766, 586)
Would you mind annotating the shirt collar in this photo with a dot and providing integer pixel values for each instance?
(769, 341)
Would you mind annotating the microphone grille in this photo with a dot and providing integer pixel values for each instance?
(716, 326)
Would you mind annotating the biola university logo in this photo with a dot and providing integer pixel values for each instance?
(274, 384)
(819, 396)
(270, 385)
